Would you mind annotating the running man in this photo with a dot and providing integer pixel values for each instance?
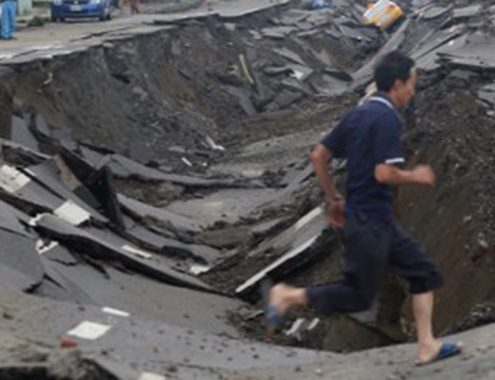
(369, 138)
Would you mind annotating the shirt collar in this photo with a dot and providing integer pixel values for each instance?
(384, 99)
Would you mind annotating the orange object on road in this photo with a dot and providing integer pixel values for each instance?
(66, 342)
(383, 14)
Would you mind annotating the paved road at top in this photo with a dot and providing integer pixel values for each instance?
(63, 38)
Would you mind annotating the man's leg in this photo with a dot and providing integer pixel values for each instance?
(422, 305)
(410, 261)
(367, 247)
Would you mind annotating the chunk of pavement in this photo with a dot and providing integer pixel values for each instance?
(20, 264)
(278, 32)
(143, 210)
(435, 40)
(124, 167)
(319, 19)
(244, 98)
(339, 74)
(301, 73)
(226, 238)
(277, 70)
(100, 249)
(20, 133)
(294, 16)
(294, 177)
(17, 154)
(100, 187)
(264, 228)
(431, 61)
(352, 33)
(329, 86)
(284, 99)
(334, 32)
(487, 93)
(168, 246)
(290, 55)
(138, 148)
(10, 219)
(435, 12)
(144, 342)
(20, 189)
(49, 173)
(303, 242)
(226, 205)
(467, 12)
(476, 53)
(54, 251)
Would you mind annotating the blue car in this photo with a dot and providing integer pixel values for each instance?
(63, 9)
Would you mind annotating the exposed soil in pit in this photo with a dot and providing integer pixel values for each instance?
(158, 98)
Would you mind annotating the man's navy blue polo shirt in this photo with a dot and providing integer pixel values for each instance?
(367, 136)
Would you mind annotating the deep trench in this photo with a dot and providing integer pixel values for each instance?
(143, 95)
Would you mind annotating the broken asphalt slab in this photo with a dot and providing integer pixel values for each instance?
(115, 340)
(135, 259)
(156, 347)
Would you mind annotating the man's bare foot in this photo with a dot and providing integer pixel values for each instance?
(279, 300)
(427, 352)
(447, 350)
(285, 297)
(279, 297)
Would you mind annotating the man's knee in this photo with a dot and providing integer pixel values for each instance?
(429, 282)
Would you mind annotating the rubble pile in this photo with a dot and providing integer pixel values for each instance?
(143, 204)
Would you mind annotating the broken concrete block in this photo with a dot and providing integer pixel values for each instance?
(244, 98)
(290, 55)
(226, 238)
(279, 32)
(102, 249)
(487, 94)
(435, 12)
(467, 12)
(143, 211)
(20, 265)
(21, 133)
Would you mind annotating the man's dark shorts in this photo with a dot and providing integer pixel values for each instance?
(373, 248)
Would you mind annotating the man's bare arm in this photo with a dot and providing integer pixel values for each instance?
(320, 157)
(392, 175)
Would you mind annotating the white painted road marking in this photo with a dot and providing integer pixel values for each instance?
(89, 330)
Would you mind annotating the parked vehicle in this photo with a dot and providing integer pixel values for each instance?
(63, 9)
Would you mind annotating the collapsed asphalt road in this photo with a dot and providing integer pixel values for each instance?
(148, 184)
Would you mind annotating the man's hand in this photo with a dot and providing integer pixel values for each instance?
(424, 175)
(391, 175)
(335, 212)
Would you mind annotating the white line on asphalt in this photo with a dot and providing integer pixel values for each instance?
(258, 276)
(308, 217)
(151, 376)
(11, 179)
(72, 213)
(137, 252)
(42, 246)
(116, 312)
(89, 330)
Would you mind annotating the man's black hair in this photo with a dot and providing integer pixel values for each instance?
(393, 66)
